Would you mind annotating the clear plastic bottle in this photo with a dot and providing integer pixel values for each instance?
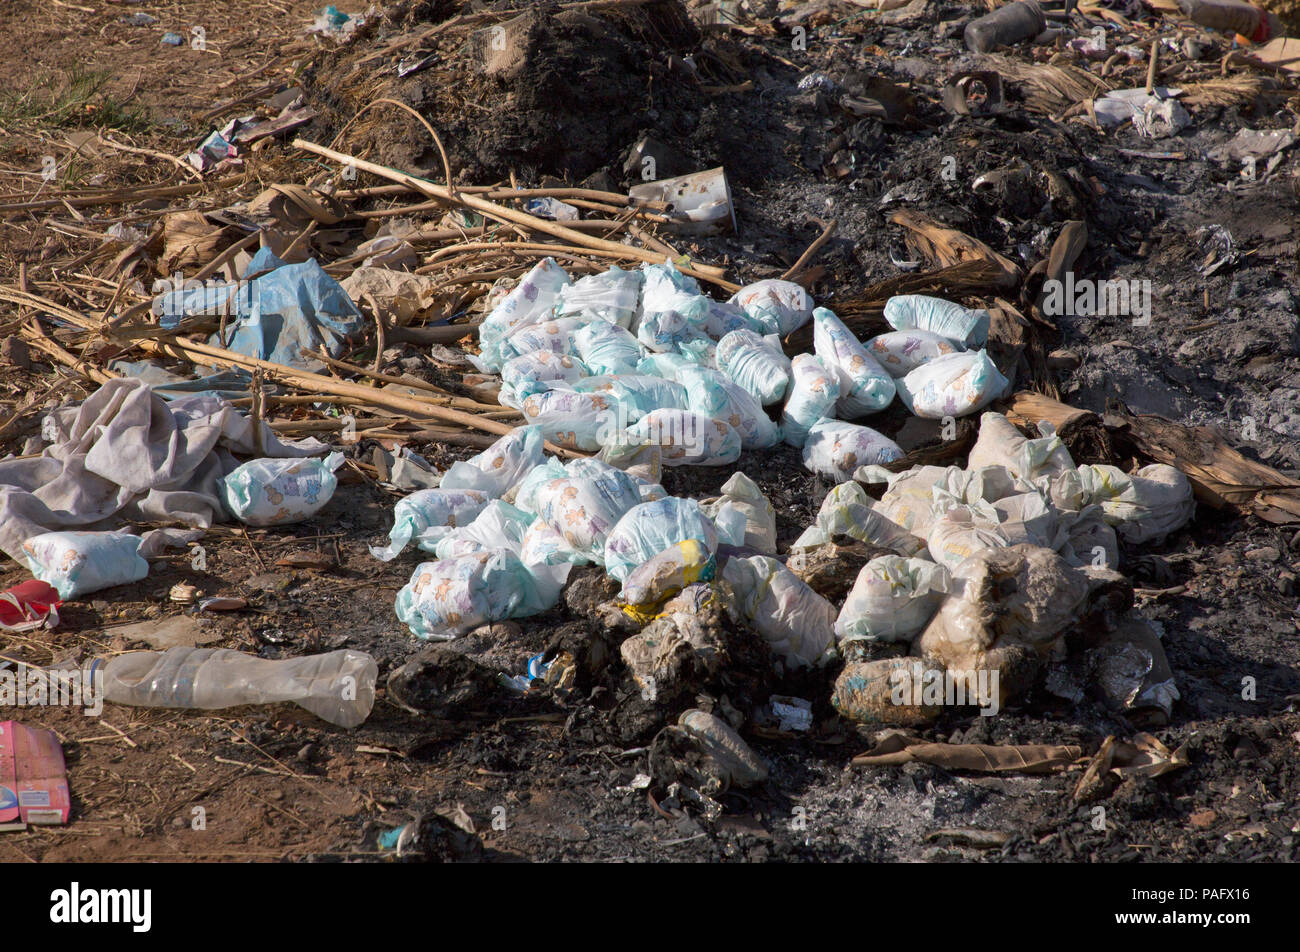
(338, 686)
(1023, 20)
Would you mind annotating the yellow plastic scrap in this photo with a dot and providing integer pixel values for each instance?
(682, 564)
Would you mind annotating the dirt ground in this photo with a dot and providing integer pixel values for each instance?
(543, 777)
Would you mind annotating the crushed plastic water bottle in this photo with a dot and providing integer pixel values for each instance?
(338, 687)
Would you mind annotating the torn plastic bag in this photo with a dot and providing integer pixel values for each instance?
(542, 545)
(288, 312)
(499, 467)
(1010, 607)
(641, 460)
(795, 621)
(701, 349)
(717, 319)
(388, 251)
(835, 449)
(742, 495)
(530, 302)
(610, 296)
(1090, 540)
(1159, 502)
(686, 438)
(1142, 507)
(962, 325)
(429, 509)
(754, 365)
(731, 526)
(590, 467)
(960, 533)
(973, 486)
(403, 296)
(892, 599)
(665, 574)
(713, 394)
(901, 352)
(865, 386)
(524, 493)
(666, 331)
(536, 372)
(847, 510)
(78, 563)
(229, 384)
(638, 393)
(666, 365)
(499, 526)
(278, 492)
(651, 527)
(665, 286)
(1001, 444)
(607, 348)
(782, 307)
(909, 500)
(204, 299)
(952, 386)
(577, 421)
(814, 388)
(555, 336)
(450, 597)
(405, 470)
(583, 510)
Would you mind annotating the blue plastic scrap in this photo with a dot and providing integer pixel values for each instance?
(283, 314)
(228, 384)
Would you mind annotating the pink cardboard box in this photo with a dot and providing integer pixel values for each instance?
(33, 780)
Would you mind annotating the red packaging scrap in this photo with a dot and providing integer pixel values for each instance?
(30, 605)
